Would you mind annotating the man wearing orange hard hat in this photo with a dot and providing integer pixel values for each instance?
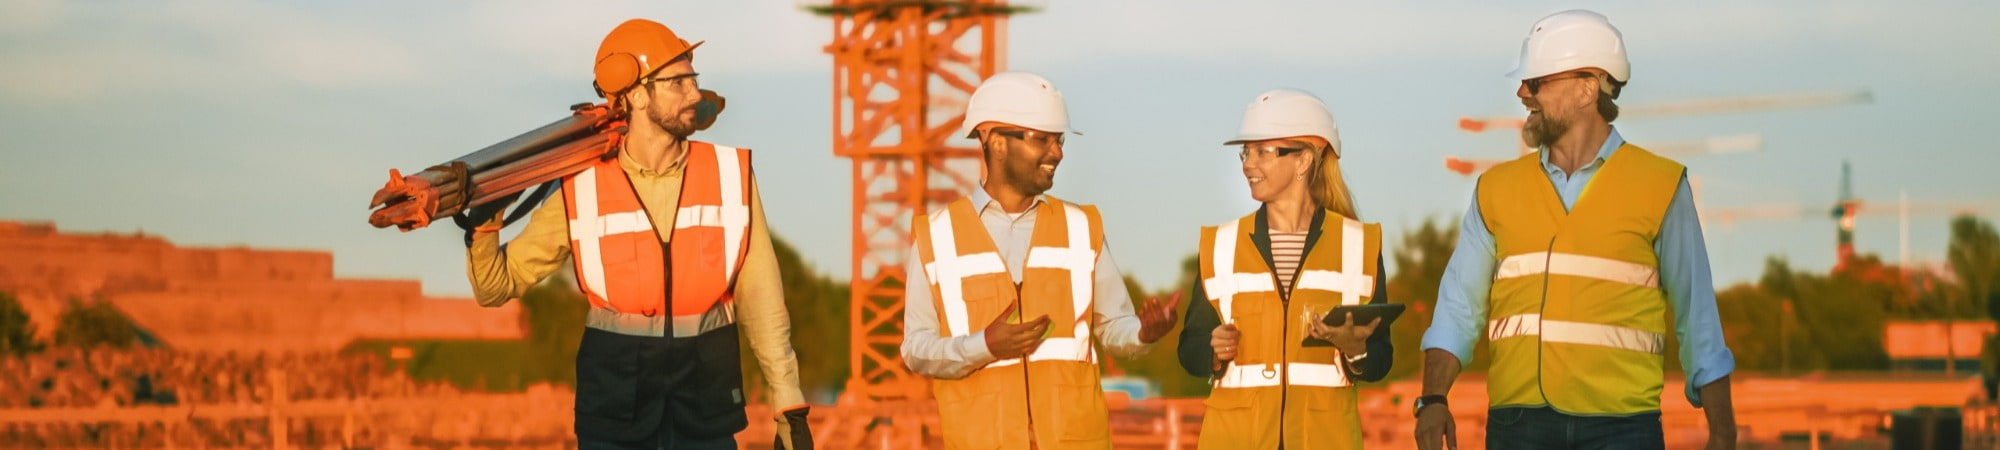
(670, 247)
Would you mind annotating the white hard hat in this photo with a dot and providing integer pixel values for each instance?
(1571, 40)
(1286, 113)
(1017, 98)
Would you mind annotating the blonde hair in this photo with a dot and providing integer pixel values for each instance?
(1327, 187)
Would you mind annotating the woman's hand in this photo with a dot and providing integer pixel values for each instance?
(1351, 339)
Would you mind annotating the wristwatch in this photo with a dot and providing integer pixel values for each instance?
(1427, 400)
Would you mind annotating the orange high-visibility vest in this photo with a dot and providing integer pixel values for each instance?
(1577, 319)
(624, 267)
(1055, 396)
(1278, 391)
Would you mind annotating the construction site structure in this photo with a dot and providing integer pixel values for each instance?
(1848, 207)
(1735, 143)
(902, 71)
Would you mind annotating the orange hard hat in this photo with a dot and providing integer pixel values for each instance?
(635, 50)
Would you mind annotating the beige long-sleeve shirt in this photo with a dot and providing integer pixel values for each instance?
(498, 276)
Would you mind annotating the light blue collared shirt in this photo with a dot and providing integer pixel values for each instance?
(1461, 318)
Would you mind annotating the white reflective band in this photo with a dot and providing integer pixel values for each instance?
(1606, 269)
(1348, 285)
(588, 252)
(948, 271)
(697, 216)
(1226, 283)
(1266, 375)
(735, 212)
(1351, 234)
(712, 216)
(1080, 261)
(1577, 333)
(621, 223)
(1056, 349)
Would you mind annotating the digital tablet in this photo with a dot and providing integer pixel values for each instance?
(1362, 313)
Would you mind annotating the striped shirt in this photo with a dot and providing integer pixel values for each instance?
(1286, 251)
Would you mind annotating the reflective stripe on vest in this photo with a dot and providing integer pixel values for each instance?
(1349, 284)
(1577, 319)
(1227, 282)
(619, 260)
(1606, 269)
(1576, 333)
(589, 228)
(1050, 395)
(949, 270)
(950, 266)
(1267, 375)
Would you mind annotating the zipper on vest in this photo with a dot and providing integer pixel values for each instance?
(1284, 350)
(1548, 257)
(1027, 387)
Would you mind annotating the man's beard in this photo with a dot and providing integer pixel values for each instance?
(672, 124)
(1028, 180)
(1540, 131)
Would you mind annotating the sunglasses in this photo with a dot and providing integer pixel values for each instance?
(1534, 85)
(682, 81)
(1246, 154)
(1031, 136)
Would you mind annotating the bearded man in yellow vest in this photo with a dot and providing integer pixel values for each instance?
(1008, 288)
(670, 247)
(1569, 261)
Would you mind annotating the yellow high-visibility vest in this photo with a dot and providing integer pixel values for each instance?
(1054, 396)
(1577, 319)
(1277, 390)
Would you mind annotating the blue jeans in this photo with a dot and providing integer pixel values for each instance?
(1545, 429)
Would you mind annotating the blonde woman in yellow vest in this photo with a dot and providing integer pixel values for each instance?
(1008, 289)
(1281, 379)
(1569, 261)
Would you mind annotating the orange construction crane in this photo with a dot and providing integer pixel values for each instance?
(902, 70)
(1718, 144)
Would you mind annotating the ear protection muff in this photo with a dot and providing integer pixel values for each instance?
(616, 73)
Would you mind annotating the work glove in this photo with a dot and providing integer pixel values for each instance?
(793, 431)
(484, 218)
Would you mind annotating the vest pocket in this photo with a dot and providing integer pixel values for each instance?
(1333, 415)
(1084, 415)
(607, 375)
(969, 418)
(623, 248)
(1233, 419)
(709, 401)
(1257, 339)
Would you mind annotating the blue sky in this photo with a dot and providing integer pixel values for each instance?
(234, 122)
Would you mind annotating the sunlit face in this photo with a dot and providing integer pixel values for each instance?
(1273, 167)
(1027, 159)
(1553, 102)
(673, 92)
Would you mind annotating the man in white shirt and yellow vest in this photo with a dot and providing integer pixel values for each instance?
(1007, 289)
(670, 247)
(1569, 261)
